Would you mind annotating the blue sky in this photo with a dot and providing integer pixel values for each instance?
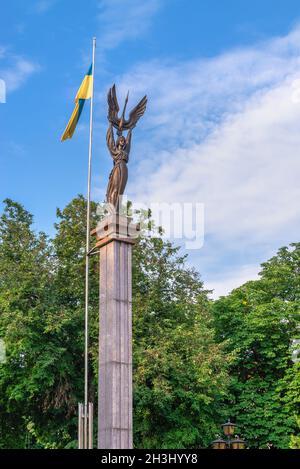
(222, 125)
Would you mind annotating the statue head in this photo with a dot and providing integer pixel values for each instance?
(121, 142)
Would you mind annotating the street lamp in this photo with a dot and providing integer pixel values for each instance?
(238, 443)
(228, 428)
(229, 443)
(219, 444)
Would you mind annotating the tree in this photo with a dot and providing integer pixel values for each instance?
(259, 322)
(25, 276)
(180, 372)
(41, 301)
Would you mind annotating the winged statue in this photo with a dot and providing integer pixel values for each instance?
(120, 148)
(120, 123)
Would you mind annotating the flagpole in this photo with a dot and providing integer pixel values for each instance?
(88, 229)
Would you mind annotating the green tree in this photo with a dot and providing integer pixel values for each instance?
(25, 277)
(41, 321)
(259, 322)
(179, 370)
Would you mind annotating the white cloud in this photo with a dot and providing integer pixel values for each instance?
(231, 280)
(224, 131)
(15, 69)
(122, 20)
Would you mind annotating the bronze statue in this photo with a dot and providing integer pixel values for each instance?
(120, 149)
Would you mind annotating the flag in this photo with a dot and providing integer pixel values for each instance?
(84, 92)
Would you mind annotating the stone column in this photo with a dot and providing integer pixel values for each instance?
(115, 238)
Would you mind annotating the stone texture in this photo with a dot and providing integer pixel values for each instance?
(115, 339)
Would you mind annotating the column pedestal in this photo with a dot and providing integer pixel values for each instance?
(115, 238)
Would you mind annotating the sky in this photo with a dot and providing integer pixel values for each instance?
(222, 125)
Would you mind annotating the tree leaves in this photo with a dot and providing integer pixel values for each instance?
(179, 371)
(260, 320)
(195, 362)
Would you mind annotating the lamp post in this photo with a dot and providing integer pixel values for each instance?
(219, 444)
(229, 442)
(238, 443)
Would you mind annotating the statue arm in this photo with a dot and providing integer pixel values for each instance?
(110, 141)
(128, 141)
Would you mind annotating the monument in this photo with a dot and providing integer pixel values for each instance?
(116, 235)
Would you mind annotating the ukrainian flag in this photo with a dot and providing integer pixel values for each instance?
(84, 92)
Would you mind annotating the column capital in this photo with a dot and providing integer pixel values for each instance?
(116, 227)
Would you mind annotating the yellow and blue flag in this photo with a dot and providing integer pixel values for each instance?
(84, 92)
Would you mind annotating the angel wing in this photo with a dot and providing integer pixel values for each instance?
(113, 110)
(136, 113)
(113, 106)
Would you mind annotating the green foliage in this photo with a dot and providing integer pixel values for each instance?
(25, 265)
(41, 321)
(195, 362)
(179, 371)
(259, 322)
